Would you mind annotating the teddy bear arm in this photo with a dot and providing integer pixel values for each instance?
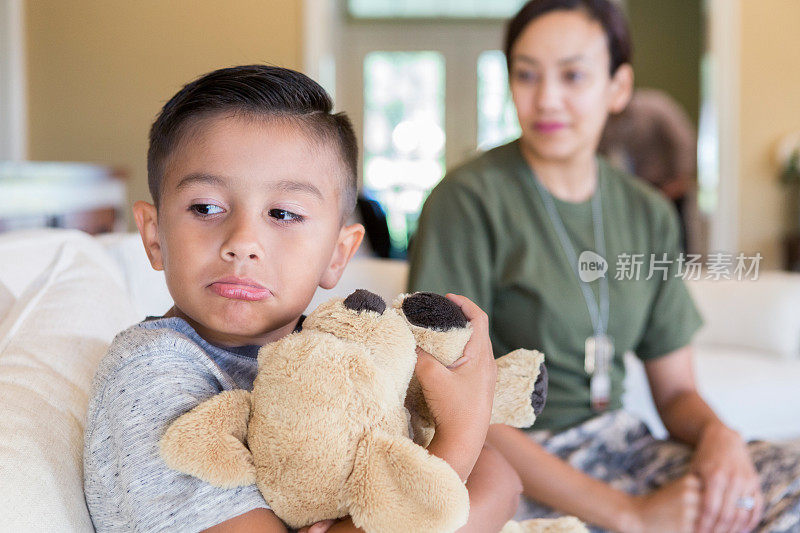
(518, 389)
(397, 486)
(208, 441)
(422, 426)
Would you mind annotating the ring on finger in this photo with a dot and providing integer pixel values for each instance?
(746, 503)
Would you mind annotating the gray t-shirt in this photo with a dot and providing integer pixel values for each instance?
(154, 372)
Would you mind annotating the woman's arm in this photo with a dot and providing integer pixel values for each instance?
(553, 482)
(672, 384)
(721, 459)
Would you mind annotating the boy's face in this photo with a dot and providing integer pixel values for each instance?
(249, 225)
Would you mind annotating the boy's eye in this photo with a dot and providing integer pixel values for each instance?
(284, 215)
(205, 209)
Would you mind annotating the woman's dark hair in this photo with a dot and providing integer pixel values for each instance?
(606, 12)
(253, 91)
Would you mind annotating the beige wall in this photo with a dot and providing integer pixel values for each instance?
(100, 70)
(769, 108)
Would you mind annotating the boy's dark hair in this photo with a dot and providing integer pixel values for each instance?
(607, 13)
(253, 91)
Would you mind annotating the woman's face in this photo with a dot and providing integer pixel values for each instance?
(561, 85)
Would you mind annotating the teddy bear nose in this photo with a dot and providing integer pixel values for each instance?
(539, 396)
(363, 300)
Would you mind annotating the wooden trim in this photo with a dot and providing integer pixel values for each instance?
(724, 38)
(13, 102)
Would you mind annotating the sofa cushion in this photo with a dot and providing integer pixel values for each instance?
(760, 315)
(146, 287)
(384, 277)
(50, 343)
(755, 394)
(26, 253)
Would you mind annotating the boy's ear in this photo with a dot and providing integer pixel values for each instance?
(349, 240)
(147, 221)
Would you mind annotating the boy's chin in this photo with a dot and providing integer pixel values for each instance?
(254, 328)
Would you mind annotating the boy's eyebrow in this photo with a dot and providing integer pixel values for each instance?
(199, 177)
(283, 185)
(297, 186)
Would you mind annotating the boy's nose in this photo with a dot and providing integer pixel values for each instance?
(241, 240)
(230, 254)
(239, 247)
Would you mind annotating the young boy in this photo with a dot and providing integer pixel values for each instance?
(252, 178)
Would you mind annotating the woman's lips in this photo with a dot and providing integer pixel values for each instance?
(549, 127)
(239, 291)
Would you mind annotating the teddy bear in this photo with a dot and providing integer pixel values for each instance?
(325, 431)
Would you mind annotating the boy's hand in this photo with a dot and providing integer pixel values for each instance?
(319, 527)
(460, 396)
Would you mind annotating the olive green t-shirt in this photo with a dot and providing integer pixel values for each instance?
(484, 233)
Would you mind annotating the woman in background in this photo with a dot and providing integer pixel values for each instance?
(532, 232)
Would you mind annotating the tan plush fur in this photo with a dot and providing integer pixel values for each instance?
(328, 430)
(567, 524)
(516, 378)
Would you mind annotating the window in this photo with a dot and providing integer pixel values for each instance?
(497, 118)
(433, 8)
(411, 87)
(403, 134)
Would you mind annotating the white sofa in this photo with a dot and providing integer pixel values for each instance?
(63, 296)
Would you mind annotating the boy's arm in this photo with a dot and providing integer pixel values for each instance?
(126, 480)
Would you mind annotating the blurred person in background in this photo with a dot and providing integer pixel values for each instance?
(505, 230)
(654, 139)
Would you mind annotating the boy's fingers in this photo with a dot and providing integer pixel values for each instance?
(427, 364)
(320, 527)
(474, 314)
(480, 325)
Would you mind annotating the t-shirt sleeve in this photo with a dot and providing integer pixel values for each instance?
(673, 317)
(127, 484)
(452, 250)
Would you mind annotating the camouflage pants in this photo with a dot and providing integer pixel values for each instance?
(618, 448)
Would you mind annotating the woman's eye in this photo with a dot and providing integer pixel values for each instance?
(573, 76)
(525, 75)
(206, 209)
(284, 215)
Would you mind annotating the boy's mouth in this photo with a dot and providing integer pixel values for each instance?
(240, 289)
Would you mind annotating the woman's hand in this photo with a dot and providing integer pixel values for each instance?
(723, 464)
(675, 507)
(460, 396)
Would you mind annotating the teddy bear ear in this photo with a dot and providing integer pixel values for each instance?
(397, 486)
(364, 300)
(432, 311)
